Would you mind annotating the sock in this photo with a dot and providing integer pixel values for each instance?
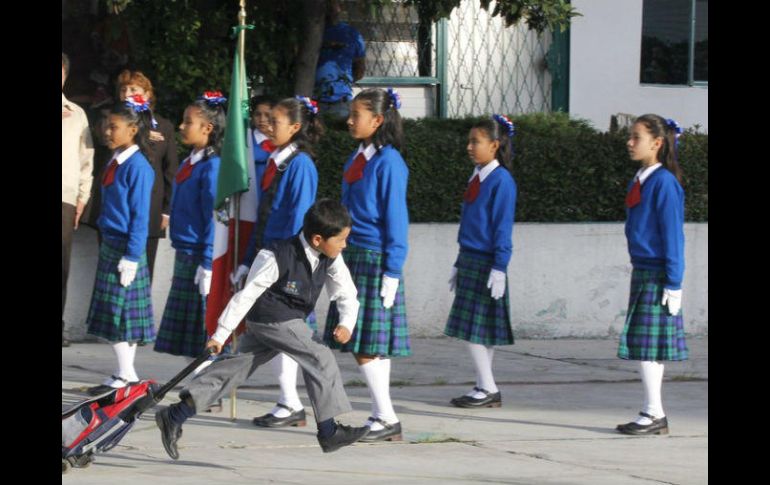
(285, 369)
(131, 370)
(482, 361)
(377, 375)
(652, 380)
(326, 428)
(180, 412)
(125, 354)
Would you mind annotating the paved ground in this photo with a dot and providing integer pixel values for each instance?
(561, 402)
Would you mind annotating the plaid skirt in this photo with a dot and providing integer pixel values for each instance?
(378, 331)
(476, 316)
(650, 333)
(183, 327)
(117, 313)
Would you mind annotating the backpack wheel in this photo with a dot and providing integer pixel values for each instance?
(65, 466)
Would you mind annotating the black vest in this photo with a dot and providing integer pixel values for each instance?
(295, 293)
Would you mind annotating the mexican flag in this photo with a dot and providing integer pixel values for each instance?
(236, 180)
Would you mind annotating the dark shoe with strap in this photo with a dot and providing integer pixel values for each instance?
(490, 400)
(169, 432)
(104, 388)
(389, 432)
(269, 420)
(658, 426)
(343, 436)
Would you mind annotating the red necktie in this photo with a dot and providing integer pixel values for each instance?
(473, 189)
(267, 146)
(109, 174)
(269, 174)
(634, 196)
(355, 172)
(184, 172)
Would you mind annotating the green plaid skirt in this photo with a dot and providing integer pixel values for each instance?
(650, 333)
(183, 328)
(117, 313)
(475, 316)
(378, 331)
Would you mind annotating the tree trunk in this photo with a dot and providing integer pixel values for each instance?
(304, 74)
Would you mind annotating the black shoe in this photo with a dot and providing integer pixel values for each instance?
(490, 400)
(169, 432)
(658, 426)
(390, 432)
(296, 418)
(104, 388)
(343, 436)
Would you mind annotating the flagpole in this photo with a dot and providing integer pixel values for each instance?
(237, 198)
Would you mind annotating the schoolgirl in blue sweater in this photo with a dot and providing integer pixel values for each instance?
(374, 191)
(121, 303)
(480, 312)
(287, 189)
(654, 329)
(183, 327)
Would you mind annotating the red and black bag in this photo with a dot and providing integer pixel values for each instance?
(98, 424)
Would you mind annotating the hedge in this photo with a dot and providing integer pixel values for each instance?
(566, 171)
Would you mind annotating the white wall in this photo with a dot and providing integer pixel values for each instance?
(417, 101)
(566, 280)
(605, 57)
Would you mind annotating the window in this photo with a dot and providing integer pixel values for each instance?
(674, 42)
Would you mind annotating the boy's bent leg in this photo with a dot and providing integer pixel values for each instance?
(227, 372)
(322, 379)
(319, 367)
(208, 386)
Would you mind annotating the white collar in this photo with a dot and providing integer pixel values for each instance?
(196, 156)
(644, 173)
(125, 154)
(368, 151)
(259, 137)
(313, 255)
(281, 156)
(484, 172)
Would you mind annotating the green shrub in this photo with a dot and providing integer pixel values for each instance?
(565, 170)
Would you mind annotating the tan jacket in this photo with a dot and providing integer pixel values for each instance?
(77, 154)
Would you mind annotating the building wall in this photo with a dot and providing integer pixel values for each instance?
(605, 57)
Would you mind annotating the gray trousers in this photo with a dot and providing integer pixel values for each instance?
(259, 344)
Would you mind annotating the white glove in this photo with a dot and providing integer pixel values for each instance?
(496, 283)
(239, 274)
(127, 270)
(453, 279)
(674, 300)
(388, 291)
(203, 280)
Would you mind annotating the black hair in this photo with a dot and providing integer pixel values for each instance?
(311, 130)
(327, 218)
(141, 119)
(214, 114)
(391, 131)
(255, 101)
(659, 128)
(497, 132)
